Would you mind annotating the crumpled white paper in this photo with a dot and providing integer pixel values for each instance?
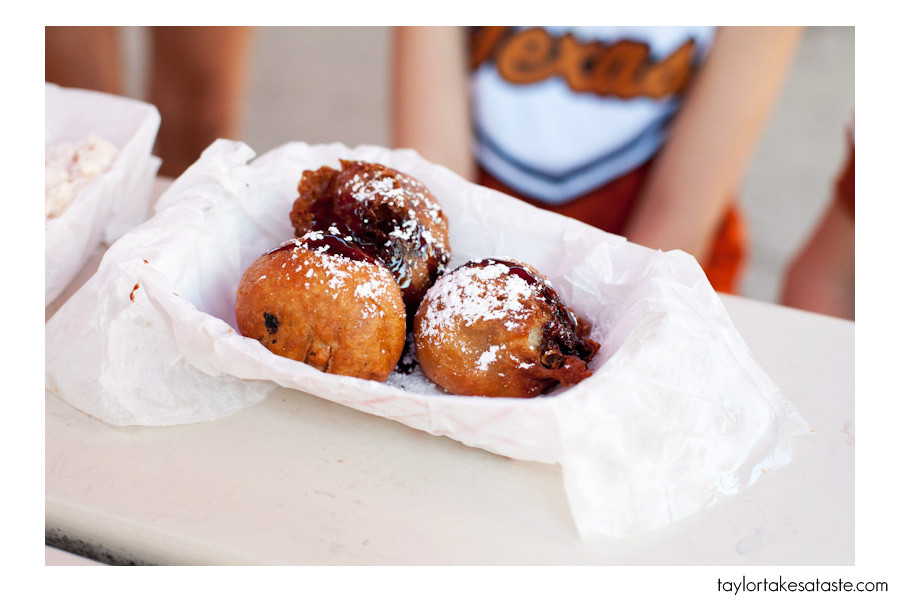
(677, 415)
(111, 203)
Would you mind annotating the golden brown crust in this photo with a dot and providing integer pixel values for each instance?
(495, 328)
(339, 315)
(313, 185)
(392, 215)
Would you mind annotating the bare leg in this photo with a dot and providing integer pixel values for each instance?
(83, 57)
(198, 77)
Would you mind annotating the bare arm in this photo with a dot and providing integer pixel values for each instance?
(84, 57)
(198, 79)
(429, 97)
(821, 276)
(712, 139)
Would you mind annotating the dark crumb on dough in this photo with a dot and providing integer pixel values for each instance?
(271, 322)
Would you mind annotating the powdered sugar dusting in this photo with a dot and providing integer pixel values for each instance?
(471, 294)
(370, 289)
(342, 274)
(487, 357)
(415, 382)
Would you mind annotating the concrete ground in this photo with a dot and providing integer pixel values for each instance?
(326, 84)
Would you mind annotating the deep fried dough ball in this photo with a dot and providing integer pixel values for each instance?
(387, 213)
(496, 328)
(322, 301)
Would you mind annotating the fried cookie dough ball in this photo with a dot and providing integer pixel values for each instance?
(388, 213)
(496, 328)
(322, 301)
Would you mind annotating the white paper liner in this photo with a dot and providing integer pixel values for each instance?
(676, 417)
(111, 203)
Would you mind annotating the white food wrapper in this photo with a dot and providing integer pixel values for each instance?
(112, 202)
(676, 416)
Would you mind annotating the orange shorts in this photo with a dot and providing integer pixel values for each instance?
(610, 206)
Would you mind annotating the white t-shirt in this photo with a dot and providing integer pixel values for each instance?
(560, 111)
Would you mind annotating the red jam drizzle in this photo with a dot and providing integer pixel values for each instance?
(331, 245)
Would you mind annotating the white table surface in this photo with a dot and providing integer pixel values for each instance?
(301, 480)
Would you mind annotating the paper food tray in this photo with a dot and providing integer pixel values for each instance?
(111, 203)
(676, 416)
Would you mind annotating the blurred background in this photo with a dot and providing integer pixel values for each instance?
(327, 84)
